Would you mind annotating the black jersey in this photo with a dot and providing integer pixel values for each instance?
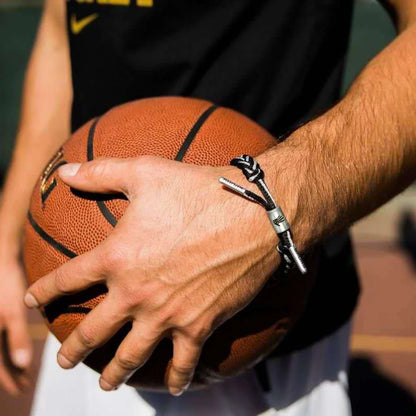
(276, 61)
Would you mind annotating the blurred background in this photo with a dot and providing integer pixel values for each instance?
(383, 345)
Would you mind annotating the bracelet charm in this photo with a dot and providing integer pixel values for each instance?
(253, 173)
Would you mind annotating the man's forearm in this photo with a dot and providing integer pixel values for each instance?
(44, 122)
(346, 163)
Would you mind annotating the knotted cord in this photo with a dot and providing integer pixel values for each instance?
(254, 174)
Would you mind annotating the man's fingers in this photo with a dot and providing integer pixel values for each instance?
(101, 175)
(186, 355)
(75, 275)
(6, 380)
(18, 338)
(132, 353)
(96, 329)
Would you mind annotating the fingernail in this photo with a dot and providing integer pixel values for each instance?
(70, 169)
(176, 392)
(21, 358)
(30, 301)
(107, 386)
(64, 362)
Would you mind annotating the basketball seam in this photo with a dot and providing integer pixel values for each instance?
(90, 156)
(51, 187)
(49, 239)
(90, 141)
(179, 156)
(66, 252)
(51, 315)
(103, 208)
(193, 132)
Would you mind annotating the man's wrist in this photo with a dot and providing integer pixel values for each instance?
(285, 167)
(10, 241)
(9, 249)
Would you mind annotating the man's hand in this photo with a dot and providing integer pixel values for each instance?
(15, 346)
(44, 126)
(186, 256)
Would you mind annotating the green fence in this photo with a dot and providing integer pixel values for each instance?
(372, 30)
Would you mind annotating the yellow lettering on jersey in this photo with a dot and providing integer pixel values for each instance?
(114, 2)
(139, 3)
(145, 3)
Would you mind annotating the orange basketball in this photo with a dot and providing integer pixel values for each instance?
(63, 223)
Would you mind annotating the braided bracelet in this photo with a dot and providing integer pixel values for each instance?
(253, 173)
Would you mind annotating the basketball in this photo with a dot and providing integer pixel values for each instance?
(63, 223)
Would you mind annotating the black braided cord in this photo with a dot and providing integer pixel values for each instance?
(254, 174)
(249, 167)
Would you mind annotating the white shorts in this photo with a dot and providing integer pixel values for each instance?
(311, 382)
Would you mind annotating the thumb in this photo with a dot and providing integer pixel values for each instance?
(102, 175)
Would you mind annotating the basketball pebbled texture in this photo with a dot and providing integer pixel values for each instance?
(63, 223)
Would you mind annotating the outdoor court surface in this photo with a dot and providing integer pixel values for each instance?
(383, 346)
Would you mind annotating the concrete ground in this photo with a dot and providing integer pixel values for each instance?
(383, 346)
